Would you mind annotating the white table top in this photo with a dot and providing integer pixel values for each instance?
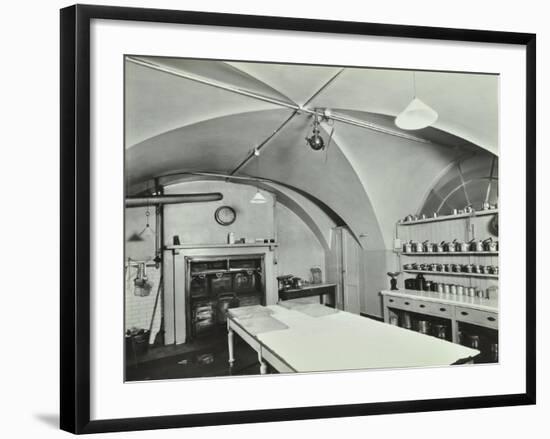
(450, 299)
(344, 341)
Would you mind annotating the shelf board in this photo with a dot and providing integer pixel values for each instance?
(470, 253)
(449, 217)
(452, 273)
(199, 246)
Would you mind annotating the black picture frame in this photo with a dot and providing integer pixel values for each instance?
(75, 217)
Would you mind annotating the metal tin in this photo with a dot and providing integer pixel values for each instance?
(474, 341)
(446, 288)
(452, 289)
(471, 291)
(406, 320)
(459, 290)
(423, 326)
(439, 331)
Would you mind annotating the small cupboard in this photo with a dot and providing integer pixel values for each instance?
(471, 322)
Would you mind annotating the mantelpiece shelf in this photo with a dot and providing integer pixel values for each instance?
(193, 246)
(470, 253)
(453, 273)
(449, 217)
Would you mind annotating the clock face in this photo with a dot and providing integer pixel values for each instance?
(225, 215)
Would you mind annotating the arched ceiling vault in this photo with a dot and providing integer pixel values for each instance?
(370, 179)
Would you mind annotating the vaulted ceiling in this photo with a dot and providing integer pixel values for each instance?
(198, 115)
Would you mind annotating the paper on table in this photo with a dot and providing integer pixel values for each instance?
(245, 312)
(261, 324)
(310, 309)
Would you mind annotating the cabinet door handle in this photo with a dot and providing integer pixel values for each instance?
(391, 300)
(422, 306)
(464, 313)
(407, 303)
(442, 309)
(491, 319)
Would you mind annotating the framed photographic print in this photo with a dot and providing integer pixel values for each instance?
(273, 218)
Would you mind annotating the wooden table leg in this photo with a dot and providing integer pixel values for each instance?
(263, 366)
(230, 345)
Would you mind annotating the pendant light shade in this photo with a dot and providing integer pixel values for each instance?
(417, 115)
(258, 198)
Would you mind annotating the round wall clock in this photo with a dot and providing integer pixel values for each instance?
(225, 215)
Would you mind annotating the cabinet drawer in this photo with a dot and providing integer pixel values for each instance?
(477, 317)
(420, 306)
(435, 309)
(399, 302)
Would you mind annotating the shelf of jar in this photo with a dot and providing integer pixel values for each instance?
(449, 217)
(469, 253)
(453, 273)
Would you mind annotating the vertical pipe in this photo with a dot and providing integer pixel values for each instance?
(159, 253)
(174, 296)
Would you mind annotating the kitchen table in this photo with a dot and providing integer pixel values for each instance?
(313, 337)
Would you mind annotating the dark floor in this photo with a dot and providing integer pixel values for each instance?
(204, 357)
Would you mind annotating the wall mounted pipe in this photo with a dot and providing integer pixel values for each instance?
(140, 201)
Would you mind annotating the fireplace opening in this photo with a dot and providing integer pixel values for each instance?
(217, 283)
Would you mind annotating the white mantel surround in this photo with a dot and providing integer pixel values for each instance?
(175, 281)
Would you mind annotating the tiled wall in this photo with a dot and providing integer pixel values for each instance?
(138, 310)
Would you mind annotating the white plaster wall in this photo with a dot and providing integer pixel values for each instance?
(194, 223)
(299, 250)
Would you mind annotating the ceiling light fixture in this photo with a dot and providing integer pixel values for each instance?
(316, 142)
(417, 114)
(258, 198)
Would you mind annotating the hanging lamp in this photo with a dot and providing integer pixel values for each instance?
(258, 198)
(417, 114)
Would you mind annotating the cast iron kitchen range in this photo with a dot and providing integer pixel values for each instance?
(217, 284)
